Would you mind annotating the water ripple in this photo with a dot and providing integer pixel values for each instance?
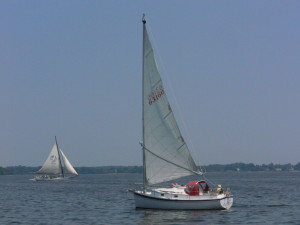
(103, 199)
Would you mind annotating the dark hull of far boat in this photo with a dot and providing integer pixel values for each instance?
(51, 178)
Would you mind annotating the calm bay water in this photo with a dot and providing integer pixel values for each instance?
(259, 198)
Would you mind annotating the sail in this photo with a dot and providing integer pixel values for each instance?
(52, 164)
(68, 168)
(166, 155)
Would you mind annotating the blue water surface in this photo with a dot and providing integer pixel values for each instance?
(259, 198)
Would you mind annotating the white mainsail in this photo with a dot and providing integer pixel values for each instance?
(68, 168)
(166, 155)
(52, 164)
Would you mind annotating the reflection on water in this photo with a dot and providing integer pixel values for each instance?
(103, 199)
(183, 216)
(169, 217)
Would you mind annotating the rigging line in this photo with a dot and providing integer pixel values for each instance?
(161, 168)
(209, 180)
(173, 96)
(174, 157)
(196, 172)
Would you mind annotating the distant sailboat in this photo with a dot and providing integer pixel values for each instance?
(56, 166)
(165, 153)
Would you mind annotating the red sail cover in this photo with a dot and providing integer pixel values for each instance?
(195, 187)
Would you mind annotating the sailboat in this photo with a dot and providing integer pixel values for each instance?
(56, 167)
(166, 155)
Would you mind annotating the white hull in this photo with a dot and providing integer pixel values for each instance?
(155, 200)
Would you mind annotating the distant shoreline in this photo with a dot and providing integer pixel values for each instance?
(238, 167)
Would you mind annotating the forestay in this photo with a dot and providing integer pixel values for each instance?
(166, 155)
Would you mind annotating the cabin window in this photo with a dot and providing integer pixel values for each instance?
(162, 194)
(175, 196)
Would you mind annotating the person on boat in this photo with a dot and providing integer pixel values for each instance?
(219, 189)
(175, 185)
(206, 189)
(178, 186)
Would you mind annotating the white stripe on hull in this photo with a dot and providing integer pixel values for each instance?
(144, 201)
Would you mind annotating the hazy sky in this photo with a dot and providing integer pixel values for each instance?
(73, 69)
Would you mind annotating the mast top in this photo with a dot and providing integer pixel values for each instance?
(143, 19)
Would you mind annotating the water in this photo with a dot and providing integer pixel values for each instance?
(259, 198)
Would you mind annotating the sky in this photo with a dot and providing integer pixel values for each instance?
(73, 69)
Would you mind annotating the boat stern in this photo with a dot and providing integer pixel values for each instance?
(227, 202)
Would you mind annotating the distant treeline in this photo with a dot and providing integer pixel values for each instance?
(17, 170)
(251, 167)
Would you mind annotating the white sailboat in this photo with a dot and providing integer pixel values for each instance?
(56, 166)
(165, 153)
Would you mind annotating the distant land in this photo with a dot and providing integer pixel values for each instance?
(239, 167)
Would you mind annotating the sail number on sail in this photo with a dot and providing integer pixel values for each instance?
(156, 94)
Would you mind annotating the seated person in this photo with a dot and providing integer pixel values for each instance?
(219, 189)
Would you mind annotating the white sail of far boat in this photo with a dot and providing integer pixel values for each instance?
(56, 166)
(68, 168)
(165, 153)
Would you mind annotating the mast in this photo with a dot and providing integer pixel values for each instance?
(143, 110)
(62, 171)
